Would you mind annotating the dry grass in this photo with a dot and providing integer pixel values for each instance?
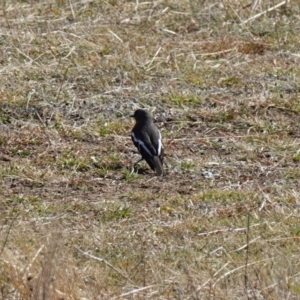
(75, 223)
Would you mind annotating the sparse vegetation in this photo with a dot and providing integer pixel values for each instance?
(222, 81)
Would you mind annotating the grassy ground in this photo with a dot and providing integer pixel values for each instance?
(75, 223)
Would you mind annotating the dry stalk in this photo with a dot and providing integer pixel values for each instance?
(285, 2)
(246, 278)
(103, 261)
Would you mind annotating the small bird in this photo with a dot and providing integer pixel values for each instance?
(147, 138)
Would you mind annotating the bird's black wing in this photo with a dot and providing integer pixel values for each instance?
(145, 148)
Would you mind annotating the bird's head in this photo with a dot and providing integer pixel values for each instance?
(141, 115)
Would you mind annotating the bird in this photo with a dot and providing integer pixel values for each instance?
(147, 138)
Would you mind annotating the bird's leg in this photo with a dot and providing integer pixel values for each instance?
(133, 168)
(137, 162)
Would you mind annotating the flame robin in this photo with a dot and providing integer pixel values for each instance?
(147, 138)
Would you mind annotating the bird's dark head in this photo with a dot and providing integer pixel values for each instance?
(141, 115)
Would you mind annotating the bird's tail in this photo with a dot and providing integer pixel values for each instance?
(158, 166)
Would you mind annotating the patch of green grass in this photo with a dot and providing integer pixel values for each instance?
(187, 166)
(129, 175)
(295, 230)
(224, 116)
(140, 196)
(264, 128)
(20, 152)
(70, 161)
(197, 79)
(296, 157)
(223, 196)
(292, 104)
(180, 100)
(295, 288)
(112, 162)
(119, 127)
(32, 205)
(115, 214)
(15, 200)
(33, 199)
(231, 81)
(11, 170)
(291, 174)
(4, 118)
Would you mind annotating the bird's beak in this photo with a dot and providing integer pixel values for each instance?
(131, 116)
